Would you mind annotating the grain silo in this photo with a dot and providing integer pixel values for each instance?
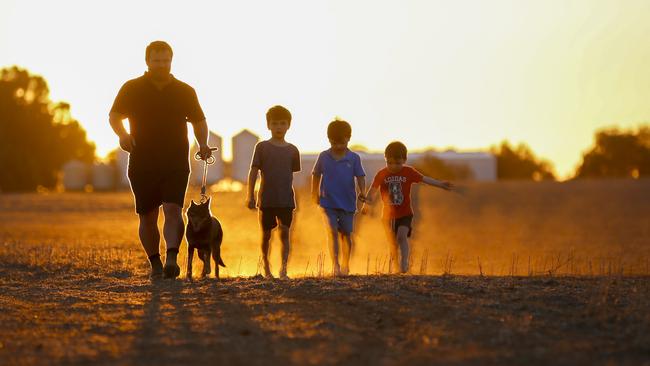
(243, 145)
(103, 177)
(75, 175)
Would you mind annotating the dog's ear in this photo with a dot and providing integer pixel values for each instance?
(208, 201)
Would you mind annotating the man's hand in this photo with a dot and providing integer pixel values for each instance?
(127, 143)
(250, 203)
(205, 152)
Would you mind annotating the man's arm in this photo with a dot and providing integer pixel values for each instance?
(315, 187)
(252, 179)
(201, 134)
(447, 186)
(127, 143)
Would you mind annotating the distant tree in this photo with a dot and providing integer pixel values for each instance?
(358, 148)
(520, 163)
(431, 166)
(37, 136)
(617, 153)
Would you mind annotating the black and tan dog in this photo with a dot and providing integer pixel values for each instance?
(203, 233)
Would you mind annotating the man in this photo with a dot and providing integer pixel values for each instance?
(158, 107)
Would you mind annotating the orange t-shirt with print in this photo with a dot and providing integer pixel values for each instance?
(395, 190)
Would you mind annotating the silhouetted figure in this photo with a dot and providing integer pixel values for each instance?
(394, 183)
(335, 173)
(276, 160)
(158, 107)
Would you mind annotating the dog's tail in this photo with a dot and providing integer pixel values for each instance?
(221, 262)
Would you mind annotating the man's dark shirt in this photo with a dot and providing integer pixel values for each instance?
(158, 122)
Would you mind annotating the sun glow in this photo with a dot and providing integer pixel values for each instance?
(465, 74)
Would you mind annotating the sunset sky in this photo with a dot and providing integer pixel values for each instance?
(466, 74)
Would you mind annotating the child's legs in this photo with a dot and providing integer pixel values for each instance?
(331, 219)
(392, 245)
(346, 223)
(286, 247)
(267, 223)
(346, 249)
(334, 247)
(266, 245)
(402, 228)
(284, 218)
(403, 242)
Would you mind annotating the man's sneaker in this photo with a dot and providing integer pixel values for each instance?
(156, 269)
(171, 270)
(156, 273)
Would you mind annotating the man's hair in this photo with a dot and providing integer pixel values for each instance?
(339, 130)
(157, 46)
(395, 150)
(277, 113)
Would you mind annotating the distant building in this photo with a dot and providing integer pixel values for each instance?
(103, 177)
(121, 166)
(75, 175)
(482, 165)
(243, 145)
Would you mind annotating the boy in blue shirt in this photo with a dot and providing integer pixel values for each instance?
(333, 189)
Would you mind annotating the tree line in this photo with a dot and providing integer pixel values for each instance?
(38, 136)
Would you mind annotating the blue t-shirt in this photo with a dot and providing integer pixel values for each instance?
(337, 188)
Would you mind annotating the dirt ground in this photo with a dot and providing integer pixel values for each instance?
(566, 282)
(73, 317)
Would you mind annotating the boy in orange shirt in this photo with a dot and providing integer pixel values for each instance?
(394, 182)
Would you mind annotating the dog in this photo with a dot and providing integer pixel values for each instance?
(204, 233)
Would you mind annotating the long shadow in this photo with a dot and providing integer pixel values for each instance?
(202, 321)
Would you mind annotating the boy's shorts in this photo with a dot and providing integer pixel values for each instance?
(340, 219)
(151, 189)
(269, 217)
(401, 221)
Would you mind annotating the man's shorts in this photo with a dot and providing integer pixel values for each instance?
(401, 221)
(340, 219)
(151, 189)
(269, 217)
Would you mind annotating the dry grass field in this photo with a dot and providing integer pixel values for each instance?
(509, 273)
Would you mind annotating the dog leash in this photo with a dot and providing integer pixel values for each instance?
(206, 162)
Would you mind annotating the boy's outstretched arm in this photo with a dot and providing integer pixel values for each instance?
(315, 187)
(447, 186)
(252, 179)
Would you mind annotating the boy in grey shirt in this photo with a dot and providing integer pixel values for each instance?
(276, 160)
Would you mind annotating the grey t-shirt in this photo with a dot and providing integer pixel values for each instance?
(277, 165)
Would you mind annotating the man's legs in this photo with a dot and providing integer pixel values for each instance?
(173, 231)
(286, 247)
(150, 239)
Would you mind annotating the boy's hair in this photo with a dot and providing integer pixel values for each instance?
(339, 130)
(395, 150)
(157, 46)
(277, 113)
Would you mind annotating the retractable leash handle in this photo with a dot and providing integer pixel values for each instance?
(206, 162)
